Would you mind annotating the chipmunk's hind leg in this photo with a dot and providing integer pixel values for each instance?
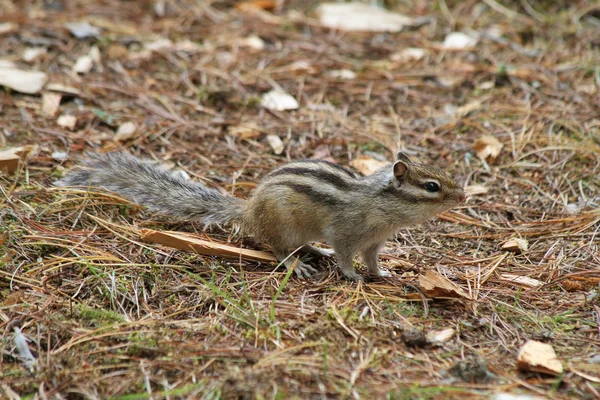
(302, 270)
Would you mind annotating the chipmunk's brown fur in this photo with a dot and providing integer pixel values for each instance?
(297, 203)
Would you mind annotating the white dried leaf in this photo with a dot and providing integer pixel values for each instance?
(254, 42)
(158, 45)
(23, 81)
(539, 357)
(59, 87)
(474, 190)
(362, 17)
(126, 131)
(458, 41)
(487, 147)
(50, 103)
(60, 155)
(23, 351)
(521, 280)
(342, 74)
(31, 53)
(367, 165)
(487, 85)
(516, 245)
(84, 64)
(440, 337)
(279, 100)
(67, 121)
(8, 27)
(276, 143)
(82, 30)
(408, 54)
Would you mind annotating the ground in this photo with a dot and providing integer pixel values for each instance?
(106, 315)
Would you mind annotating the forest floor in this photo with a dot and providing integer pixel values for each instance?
(89, 310)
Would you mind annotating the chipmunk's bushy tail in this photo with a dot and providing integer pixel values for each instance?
(155, 187)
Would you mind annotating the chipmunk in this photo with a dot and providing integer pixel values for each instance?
(296, 204)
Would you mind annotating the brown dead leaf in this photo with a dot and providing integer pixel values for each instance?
(538, 357)
(11, 157)
(367, 165)
(488, 148)
(573, 286)
(187, 241)
(516, 245)
(435, 285)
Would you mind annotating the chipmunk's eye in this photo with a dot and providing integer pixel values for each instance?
(432, 187)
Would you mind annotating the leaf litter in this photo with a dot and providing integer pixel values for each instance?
(107, 314)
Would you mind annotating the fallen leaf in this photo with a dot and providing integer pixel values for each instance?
(474, 190)
(538, 357)
(254, 42)
(8, 27)
(573, 286)
(408, 54)
(23, 81)
(440, 337)
(125, 131)
(458, 41)
(516, 245)
(435, 285)
(520, 280)
(487, 147)
(67, 121)
(116, 51)
(31, 53)
(247, 130)
(342, 74)
(82, 30)
(187, 241)
(367, 165)
(60, 155)
(50, 103)
(275, 143)
(362, 17)
(279, 101)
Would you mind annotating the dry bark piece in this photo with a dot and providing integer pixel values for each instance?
(520, 280)
(516, 245)
(10, 158)
(538, 357)
(187, 241)
(487, 147)
(50, 103)
(435, 285)
(367, 165)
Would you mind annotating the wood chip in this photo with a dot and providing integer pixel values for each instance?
(519, 280)
(538, 357)
(516, 245)
(276, 143)
(50, 103)
(23, 81)
(187, 241)
(487, 148)
(126, 131)
(67, 121)
(435, 285)
(367, 165)
(10, 158)
(279, 101)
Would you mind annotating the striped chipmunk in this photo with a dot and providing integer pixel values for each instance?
(296, 204)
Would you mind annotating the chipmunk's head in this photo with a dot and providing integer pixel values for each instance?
(429, 187)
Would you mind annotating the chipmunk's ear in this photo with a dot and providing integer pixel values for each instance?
(401, 156)
(400, 168)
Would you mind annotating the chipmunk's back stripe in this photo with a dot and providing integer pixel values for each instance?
(340, 182)
(331, 164)
(314, 195)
